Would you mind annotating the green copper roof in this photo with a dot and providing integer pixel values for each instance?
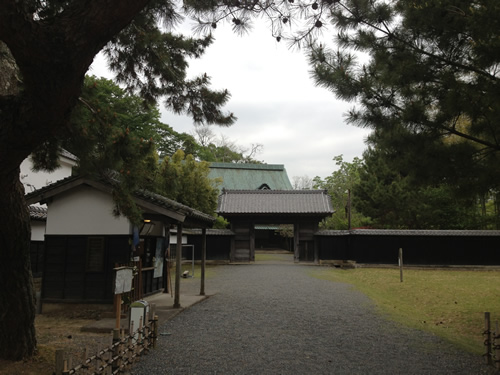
(251, 176)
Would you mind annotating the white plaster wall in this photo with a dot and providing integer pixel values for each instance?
(84, 210)
(36, 180)
(173, 239)
(37, 230)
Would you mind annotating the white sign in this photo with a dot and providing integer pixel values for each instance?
(158, 259)
(123, 280)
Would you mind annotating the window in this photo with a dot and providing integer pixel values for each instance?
(95, 254)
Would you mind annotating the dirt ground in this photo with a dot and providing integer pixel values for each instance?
(59, 330)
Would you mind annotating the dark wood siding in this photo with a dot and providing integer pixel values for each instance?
(242, 242)
(218, 247)
(306, 241)
(36, 257)
(77, 270)
(422, 249)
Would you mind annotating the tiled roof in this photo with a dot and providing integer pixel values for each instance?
(171, 204)
(68, 155)
(275, 202)
(250, 176)
(38, 213)
(107, 184)
(210, 232)
(408, 232)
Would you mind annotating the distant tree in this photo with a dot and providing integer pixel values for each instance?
(204, 134)
(287, 232)
(394, 199)
(302, 182)
(221, 149)
(186, 181)
(250, 153)
(339, 186)
(170, 141)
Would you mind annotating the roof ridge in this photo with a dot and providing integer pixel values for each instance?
(250, 191)
(111, 179)
(223, 165)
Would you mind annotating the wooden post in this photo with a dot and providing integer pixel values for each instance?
(400, 261)
(166, 265)
(140, 279)
(203, 260)
(349, 209)
(98, 357)
(116, 350)
(316, 250)
(118, 311)
(178, 270)
(487, 341)
(252, 242)
(84, 359)
(496, 342)
(155, 330)
(129, 343)
(152, 311)
(59, 362)
(140, 340)
(296, 253)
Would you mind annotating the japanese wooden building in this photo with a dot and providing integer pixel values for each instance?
(85, 240)
(244, 209)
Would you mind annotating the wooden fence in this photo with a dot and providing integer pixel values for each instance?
(119, 356)
(491, 342)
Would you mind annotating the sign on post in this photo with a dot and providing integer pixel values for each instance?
(123, 279)
(123, 284)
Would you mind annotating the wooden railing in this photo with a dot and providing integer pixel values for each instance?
(117, 358)
(491, 342)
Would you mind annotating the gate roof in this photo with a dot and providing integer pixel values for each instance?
(251, 176)
(275, 202)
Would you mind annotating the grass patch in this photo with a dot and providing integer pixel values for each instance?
(260, 257)
(448, 303)
(209, 270)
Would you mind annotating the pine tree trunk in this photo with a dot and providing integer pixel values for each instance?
(17, 299)
(42, 67)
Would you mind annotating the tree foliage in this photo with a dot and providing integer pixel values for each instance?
(222, 149)
(430, 64)
(46, 50)
(394, 199)
(424, 75)
(302, 182)
(186, 181)
(339, 186)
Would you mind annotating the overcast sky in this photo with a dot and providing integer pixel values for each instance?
(277, 104)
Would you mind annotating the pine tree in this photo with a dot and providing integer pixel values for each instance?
(393, 198)
(424, 75)
(46, 48)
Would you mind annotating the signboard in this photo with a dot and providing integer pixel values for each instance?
(123, 280)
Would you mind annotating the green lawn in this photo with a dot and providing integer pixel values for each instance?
(448, 303)
(262, 257)
(187, 266)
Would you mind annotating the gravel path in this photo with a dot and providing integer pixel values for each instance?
(274, 318)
